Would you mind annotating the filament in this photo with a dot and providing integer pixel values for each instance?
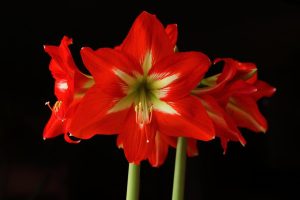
(56, 108)
(143, 116)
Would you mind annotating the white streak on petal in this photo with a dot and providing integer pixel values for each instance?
(129, 80)
(157, 76)
(62, 85)
(161, 93)
(164, 107)
(147, 62)
(161, 83)
(232, 107)
(122, 104)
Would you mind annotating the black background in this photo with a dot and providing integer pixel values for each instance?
(267, 33)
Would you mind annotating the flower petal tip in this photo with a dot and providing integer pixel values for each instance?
(194, 154)
(242, 141)
(70, 140)
(156, 165)
(263, 129)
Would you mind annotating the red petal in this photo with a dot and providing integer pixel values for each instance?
(172, 33)
(92, 115)
(147, 34)
(229, 70)
(102, 62)
(245, 70)
(159, 152)
(137, 142)
(62, 55)
(238, 87)
(68, 79)
(190, 67)
(240, 66)
(224, 126)
(193, 120)
(244, 111)
(224, 144)
(232, 71)
(82, 83)
(62, 67)
(102, 65)
(226, 75)
(171, 141)
(53, 128)
(263, 90)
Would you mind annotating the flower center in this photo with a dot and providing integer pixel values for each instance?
(144, 92)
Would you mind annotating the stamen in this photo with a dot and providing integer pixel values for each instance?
(55, 109)
(57, 106)
(143, 117)
(143, 114)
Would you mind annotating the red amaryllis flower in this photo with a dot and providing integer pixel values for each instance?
(241, 103)
(162, 142)
(70, 87)
(230, 100)
(142, 88)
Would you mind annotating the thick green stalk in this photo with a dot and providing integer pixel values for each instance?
(179, 172)
(133, 182)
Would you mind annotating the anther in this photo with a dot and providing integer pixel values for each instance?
(143, 114)
(57, 106)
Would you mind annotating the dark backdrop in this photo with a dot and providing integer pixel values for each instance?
(266, 33)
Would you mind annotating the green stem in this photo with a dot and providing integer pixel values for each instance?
(179, 173)
(133, 182)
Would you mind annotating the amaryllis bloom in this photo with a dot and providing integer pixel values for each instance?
(241, 102)
(163, 142)
(230, 100)
(70, 87)
(142, 88)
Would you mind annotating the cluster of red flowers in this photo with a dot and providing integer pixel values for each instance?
(149, 94)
